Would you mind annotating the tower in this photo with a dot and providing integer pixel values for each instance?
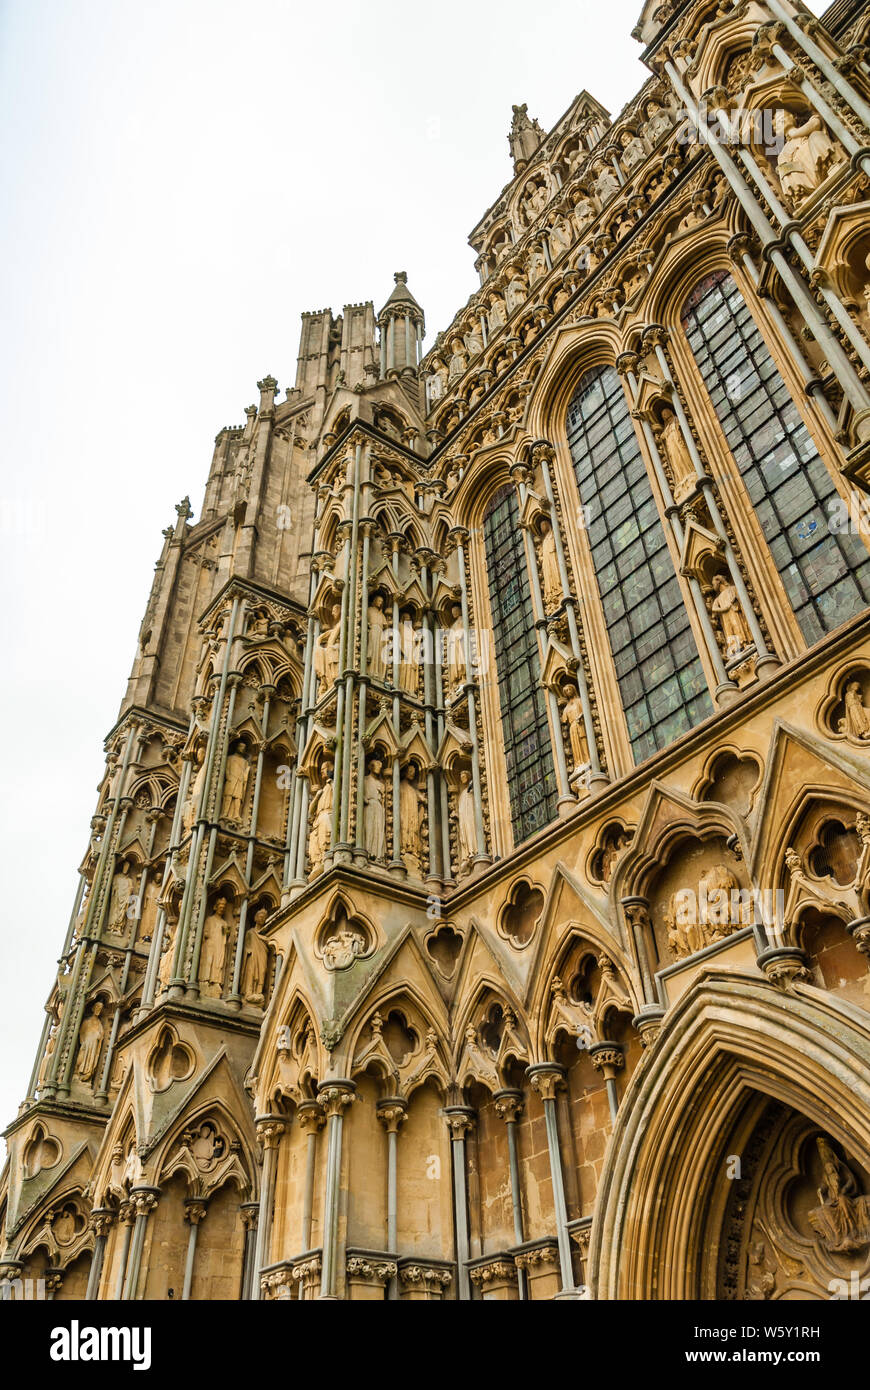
(483, 854)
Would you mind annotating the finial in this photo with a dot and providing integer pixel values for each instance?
(401, 277)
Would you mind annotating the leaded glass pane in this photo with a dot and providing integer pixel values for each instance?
(826, 575)
(528, 752)
(660, 677)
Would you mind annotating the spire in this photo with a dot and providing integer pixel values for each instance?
(402, 326)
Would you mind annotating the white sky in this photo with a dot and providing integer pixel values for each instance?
(180, 180)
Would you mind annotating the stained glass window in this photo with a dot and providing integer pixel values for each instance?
(825, 569)
(660, 676)
(528, 751)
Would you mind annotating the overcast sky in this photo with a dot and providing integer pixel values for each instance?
(181, 179)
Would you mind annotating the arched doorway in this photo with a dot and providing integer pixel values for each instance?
(739, 1166)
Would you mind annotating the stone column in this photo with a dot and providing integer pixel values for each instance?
(509, 1105)
(144, 1200)
(194, 1212)
(101, 1221)
(335, 1096)
(249, 1212)
(547, 1078)
(460, 1121)
(392, 1114)
(311, 1118)
(269, 1132)
(126, 1217)
(607, 1059)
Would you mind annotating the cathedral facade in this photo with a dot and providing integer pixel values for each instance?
(477, 899)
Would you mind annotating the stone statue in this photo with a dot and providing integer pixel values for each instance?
(573, 713)
(515, 292)
(47, 1056)
(560, 238)
(119, 902)
(583, 213)
(633, 150)
(235, 785)
(466, 819)
(320, 836)
(256, 960)
(409, 657)
(410, 840)
(214, 949)
(458, 360)
(726, 606)
(657, 122)
(678, 456)
(474, 339)
(607, 185)
(258, 628)
(805, 158)
(842, 1220)
(525, 135)
(550, 568)
(377, 624)
(167, 952)
(455, 654)
(497, 316)
(326, 651)
(856, 720)
(375, 820)
(197, 782)
(537, 263)
(90, 1043)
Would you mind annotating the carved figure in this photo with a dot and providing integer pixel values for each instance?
(235, 785)
(214, 948)
(573, 713)
(119, 902)
(326, 651)
(410, 798)
(678, 456)
(856, 720)
(550, 568)
(377, 624)
(466, 819)
(726, 606)
(196, 785)
(375, 820)
(805, 158)
(342, 949)
(320, 835)
(90, 1043)
(256, 960)
(455, 654)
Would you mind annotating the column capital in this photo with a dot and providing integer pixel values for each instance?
(547, 1078)
(310, 1116)
(269, 1130)
(145, 1199)
(101, 1220)
(336, 1096)
(607, 1058)
(461, 1120)
(627, 362)
(194, 1210)
(654, 335)
(415, 1274)
(392, 1113)
(249, 1212)
(509, 1105)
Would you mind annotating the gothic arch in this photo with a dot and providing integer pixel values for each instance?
(575, 351)
(728, 1038)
